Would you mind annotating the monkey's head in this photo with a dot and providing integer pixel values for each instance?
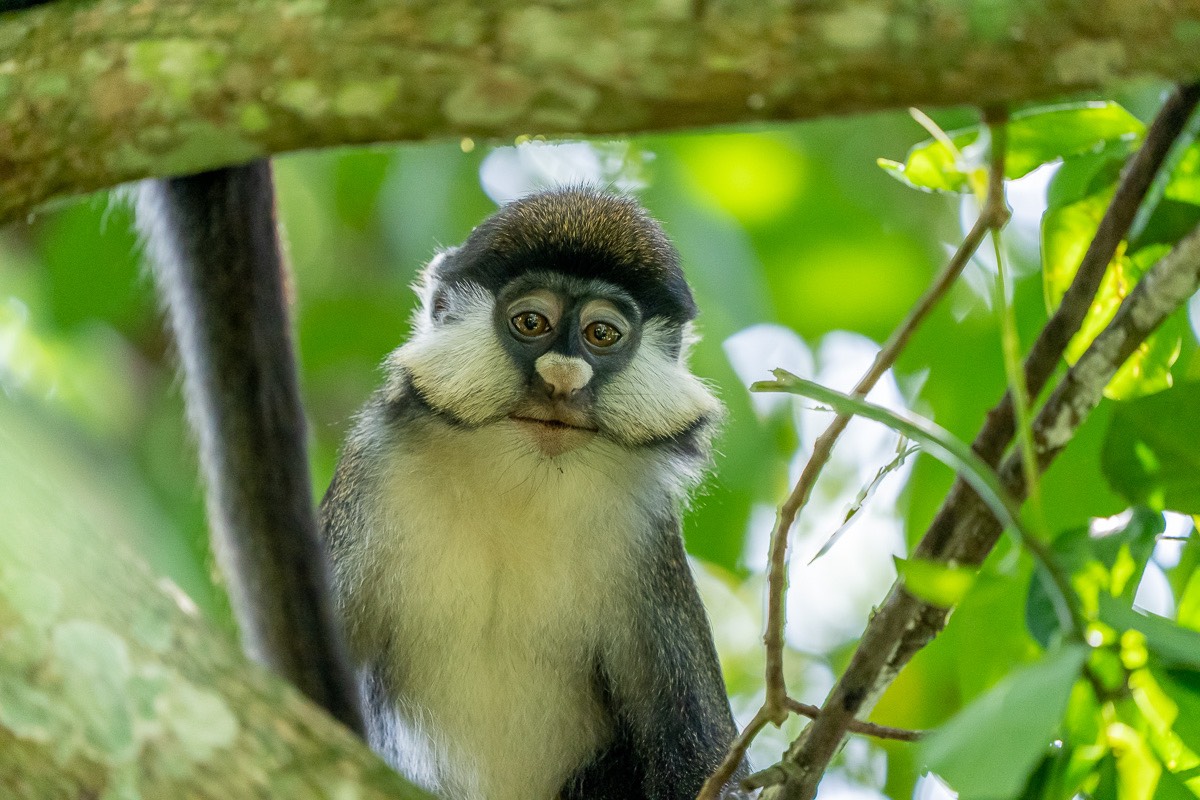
(565, 315)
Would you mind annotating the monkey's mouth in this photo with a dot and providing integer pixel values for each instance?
(555, 424)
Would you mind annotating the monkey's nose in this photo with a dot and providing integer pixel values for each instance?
(563, 375)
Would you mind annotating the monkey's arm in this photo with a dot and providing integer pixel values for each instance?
(664, 688)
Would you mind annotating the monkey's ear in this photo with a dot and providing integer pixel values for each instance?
(431, 292)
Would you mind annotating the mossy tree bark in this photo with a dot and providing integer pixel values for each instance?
(97, 92)
(111, 686)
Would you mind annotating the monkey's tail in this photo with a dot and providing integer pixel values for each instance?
(216, 259)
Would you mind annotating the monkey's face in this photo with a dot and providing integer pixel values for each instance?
(564, 317)
(559, 359)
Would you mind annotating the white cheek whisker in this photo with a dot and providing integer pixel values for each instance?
(461, 367)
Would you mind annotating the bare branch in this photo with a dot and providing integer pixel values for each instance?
(101, 92)
(865, 728)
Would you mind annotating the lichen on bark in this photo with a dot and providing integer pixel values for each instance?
(99, 92)
(111, 687)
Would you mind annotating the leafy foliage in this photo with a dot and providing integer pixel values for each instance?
(1109, 711)
(989, 749)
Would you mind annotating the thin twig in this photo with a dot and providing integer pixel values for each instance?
(858, 726)
(994, 214)
(963, 528)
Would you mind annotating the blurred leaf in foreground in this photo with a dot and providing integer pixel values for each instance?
(992, 746)
(1152, 452)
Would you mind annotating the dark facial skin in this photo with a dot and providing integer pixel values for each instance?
(571, 318)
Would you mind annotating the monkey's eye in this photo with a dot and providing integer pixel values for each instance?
(531, 323)
(601, 334)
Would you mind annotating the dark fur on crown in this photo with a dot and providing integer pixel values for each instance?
(581, 232)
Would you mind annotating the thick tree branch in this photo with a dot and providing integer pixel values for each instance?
(110, 683)
(98, 92)
(904, 623)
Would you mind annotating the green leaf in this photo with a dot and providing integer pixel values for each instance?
(1184, 184)
(1174, 645)
(990, 748)
(1035, 137)
(1070, 549)
(1088, 174)
(1171, 787)
(935, 581)
(1066, 233)
(1170, 222)
(1152, 452)
(1106, 786)
(1137, 768)
(1185, 583)
(1182, 686)
(1111, 563)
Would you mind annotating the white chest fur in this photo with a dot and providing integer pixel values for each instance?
(500, 570)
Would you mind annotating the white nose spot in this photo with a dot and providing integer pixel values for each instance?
(565, 375)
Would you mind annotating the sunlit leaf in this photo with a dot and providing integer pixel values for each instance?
(1137, 768)
(1152, 453)
(1035, 137)
(1187, 611)
(1180, 576)
(1182, 686)
(1148, 369)
(935, 582)
(990, 748)
(1066, 233)
(1184, 184)
(1174, 645)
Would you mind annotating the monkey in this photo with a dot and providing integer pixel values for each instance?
(504, 518)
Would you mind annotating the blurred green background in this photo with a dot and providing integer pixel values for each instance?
(801, 252)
